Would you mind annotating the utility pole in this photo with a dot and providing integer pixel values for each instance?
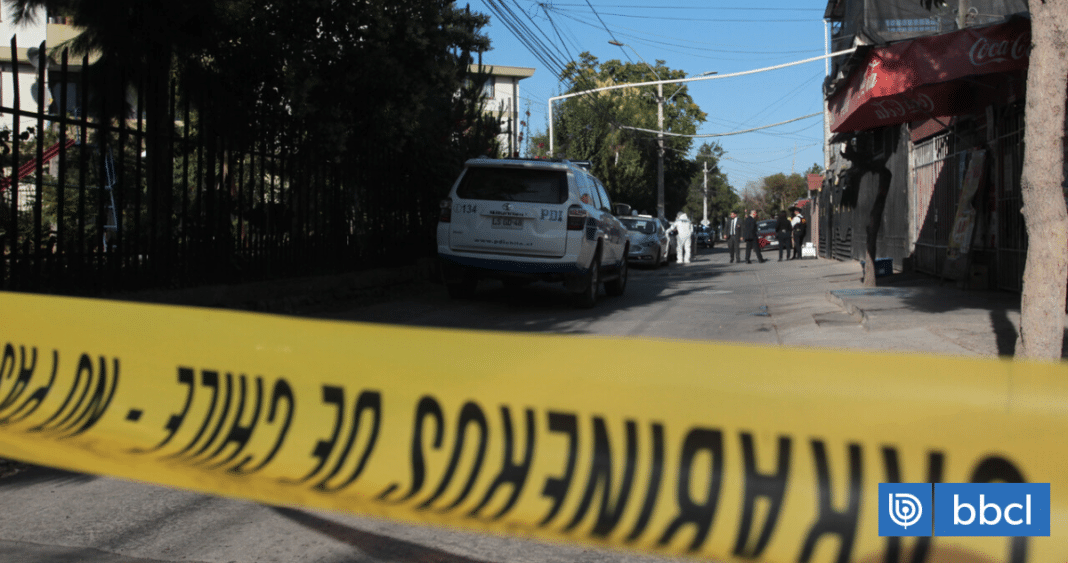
(705, 191)
(962, 14)
(659, 149)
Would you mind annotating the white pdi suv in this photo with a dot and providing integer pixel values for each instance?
(523, 220)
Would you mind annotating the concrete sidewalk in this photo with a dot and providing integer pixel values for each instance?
(982, 322)
(820, 302)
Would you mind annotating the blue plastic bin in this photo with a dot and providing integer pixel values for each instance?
(883, 266)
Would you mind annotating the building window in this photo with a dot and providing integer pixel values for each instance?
(487, 88)
(916, 25)
(882, 141)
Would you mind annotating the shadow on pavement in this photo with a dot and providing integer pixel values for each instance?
(377, 546)
(1005, 332)
(933, 295)
(18, 474)
(530, 307)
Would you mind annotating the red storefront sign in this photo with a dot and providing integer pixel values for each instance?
(940, 75)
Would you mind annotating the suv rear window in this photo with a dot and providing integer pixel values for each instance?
(514, 184)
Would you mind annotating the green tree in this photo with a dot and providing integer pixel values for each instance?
(755, 197)
(782, 191)
(615, 130)
(721, 197)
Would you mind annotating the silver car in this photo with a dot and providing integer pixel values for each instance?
(649, 242)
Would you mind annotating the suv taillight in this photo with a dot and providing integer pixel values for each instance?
(576, 218)
(445, 216)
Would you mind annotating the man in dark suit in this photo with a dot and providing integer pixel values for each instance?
(749, 233)
(732, 230)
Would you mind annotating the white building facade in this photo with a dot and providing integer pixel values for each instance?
(28, 37)
(501, 96)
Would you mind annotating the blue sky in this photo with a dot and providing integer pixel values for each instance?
(726, 36)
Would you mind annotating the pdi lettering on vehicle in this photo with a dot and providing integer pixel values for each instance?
(555, 437)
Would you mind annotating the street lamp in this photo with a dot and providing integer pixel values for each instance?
(660, 100)
(659, 130)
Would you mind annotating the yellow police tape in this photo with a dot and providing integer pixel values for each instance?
(720, 451)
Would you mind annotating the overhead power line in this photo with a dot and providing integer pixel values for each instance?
(725, 8)
(599, 19)
(702, 46)
(715, 20)
(706, 135)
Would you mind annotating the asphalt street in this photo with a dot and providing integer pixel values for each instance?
(805, 303)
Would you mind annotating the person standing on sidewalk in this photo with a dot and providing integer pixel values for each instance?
(731, 232)
(749, 233)
(783, 229)
(799, 230)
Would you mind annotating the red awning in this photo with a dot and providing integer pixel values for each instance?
(941, 75)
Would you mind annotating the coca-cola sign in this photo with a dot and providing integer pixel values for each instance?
(901, 107)
(987, 51)
(933, 76)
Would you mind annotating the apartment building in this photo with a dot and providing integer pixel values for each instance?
(501, 95)
(19, 67)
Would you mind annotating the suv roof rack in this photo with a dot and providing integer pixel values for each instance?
(585, 164)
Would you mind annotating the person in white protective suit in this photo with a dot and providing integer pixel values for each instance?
(683, 237)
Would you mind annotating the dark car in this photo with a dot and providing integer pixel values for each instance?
(705, 236)
(766, 232)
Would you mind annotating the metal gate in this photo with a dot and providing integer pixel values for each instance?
(938, 167)
(1011, 234)
(936, 186)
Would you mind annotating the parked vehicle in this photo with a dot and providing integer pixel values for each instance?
(522, 220)
(766, 232)
(705, 236)
(649, 242)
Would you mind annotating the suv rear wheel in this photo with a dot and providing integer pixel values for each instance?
(587, 298)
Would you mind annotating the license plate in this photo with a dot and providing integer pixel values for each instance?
(507, 223)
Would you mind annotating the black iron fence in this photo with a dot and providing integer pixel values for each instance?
(90, 204)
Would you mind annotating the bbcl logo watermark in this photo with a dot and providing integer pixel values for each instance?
(964, 509)
(905, 509)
